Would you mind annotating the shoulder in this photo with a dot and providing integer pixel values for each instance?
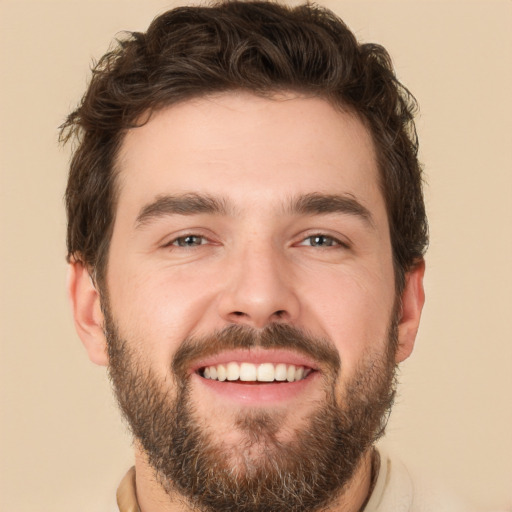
(429, 497)
(399, 490)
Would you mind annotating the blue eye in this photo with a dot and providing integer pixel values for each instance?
(321, 241)
(189, 241)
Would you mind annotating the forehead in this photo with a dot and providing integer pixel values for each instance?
(250, 149)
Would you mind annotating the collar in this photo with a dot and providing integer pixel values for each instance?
(126, 493)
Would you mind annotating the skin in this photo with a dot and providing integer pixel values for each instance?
(256, 262)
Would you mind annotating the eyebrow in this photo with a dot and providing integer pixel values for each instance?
(307, 204)
(186, 204)
(322, 204)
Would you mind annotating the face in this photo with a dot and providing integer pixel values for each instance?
(248, 211)
(250, 283)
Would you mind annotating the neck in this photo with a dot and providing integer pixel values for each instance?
(153, 498)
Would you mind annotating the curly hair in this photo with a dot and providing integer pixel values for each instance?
(256, 46)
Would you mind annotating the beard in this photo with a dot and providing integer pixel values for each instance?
(262, 473)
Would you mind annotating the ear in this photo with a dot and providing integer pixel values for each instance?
(87, 314)
(413, 298)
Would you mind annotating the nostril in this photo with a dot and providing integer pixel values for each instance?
(238, 313)
(280, 313)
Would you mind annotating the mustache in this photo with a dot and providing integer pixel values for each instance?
(273, 336)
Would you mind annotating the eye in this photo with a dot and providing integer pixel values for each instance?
(320, 240)
(189, 241)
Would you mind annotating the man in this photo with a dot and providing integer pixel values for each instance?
(246, 232)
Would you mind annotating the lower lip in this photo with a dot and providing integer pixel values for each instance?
(257, 393)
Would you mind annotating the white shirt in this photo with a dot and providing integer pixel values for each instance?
(397, 491)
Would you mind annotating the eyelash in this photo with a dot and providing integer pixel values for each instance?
(333, 241)
(176, 241)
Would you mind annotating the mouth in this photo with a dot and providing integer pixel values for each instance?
(256, 377)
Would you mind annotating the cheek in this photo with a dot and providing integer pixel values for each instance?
(158, 308)
(354, 309)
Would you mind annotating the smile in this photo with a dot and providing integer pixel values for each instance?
(250, 372)
(256, 376)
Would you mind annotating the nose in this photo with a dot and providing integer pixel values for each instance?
(259, 289)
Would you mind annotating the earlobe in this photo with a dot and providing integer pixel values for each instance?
(87, 314)
(413, 299)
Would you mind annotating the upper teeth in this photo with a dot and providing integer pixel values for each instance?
(249, 372)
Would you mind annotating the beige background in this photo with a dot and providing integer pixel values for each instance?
(63, 446)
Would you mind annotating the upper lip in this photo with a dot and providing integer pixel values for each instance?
(255, 355)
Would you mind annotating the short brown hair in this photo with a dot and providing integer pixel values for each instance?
(261, 47)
